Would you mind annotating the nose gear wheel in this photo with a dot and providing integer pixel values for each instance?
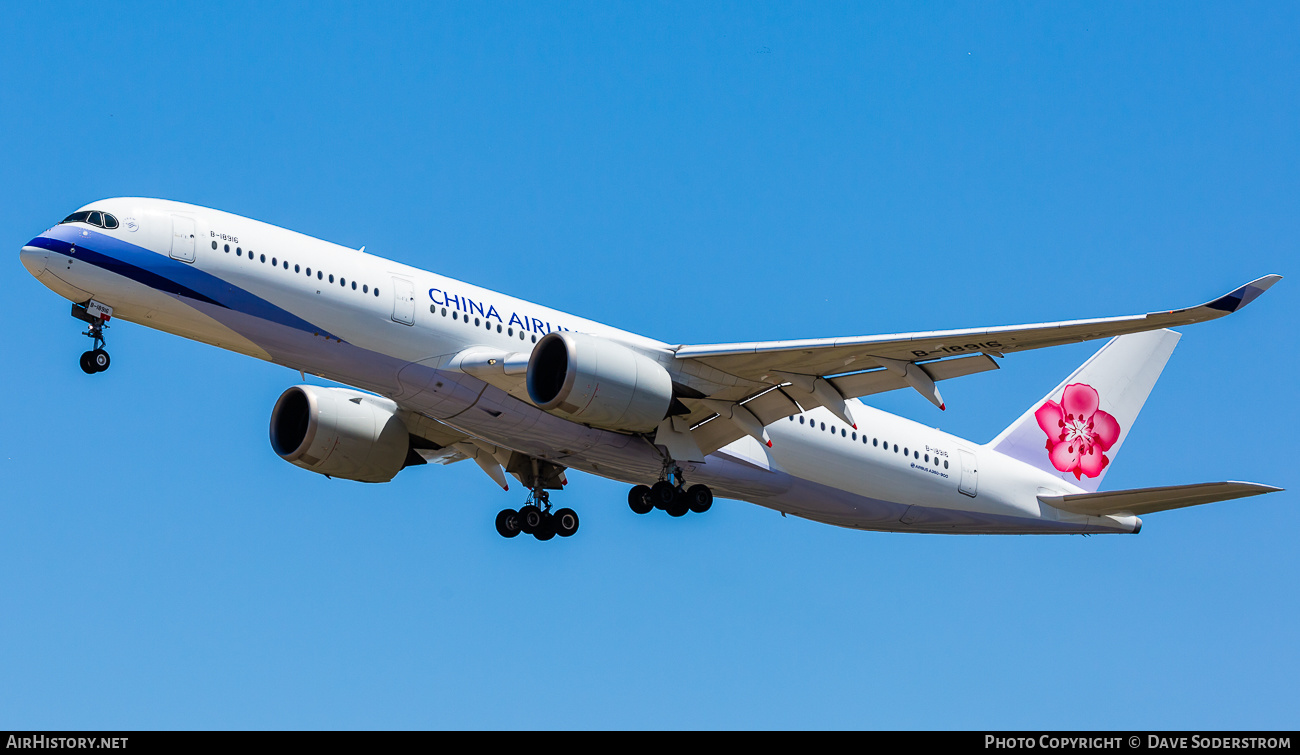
(95, 360)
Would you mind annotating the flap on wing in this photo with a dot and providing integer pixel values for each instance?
(773, 404)
(879, 381)
(1148, 500)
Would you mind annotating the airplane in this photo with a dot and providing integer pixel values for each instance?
(445, 371)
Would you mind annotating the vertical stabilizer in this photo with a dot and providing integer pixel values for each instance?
(1076, 430)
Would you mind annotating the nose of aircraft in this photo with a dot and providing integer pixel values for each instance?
(33, 259)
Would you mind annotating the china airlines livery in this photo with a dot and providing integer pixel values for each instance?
(448, 371)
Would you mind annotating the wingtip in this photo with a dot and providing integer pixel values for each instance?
(1243, 295)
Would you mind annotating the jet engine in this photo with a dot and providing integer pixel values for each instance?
(598, 382)
(340, 433)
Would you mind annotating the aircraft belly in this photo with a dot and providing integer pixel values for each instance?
(492, 414)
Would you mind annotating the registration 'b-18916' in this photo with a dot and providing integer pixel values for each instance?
(445, 371)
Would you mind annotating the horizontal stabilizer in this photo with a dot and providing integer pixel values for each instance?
(1149, 500)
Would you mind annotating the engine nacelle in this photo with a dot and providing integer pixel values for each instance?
(598, 382)
(340, 433)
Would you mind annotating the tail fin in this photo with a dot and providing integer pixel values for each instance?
(1076, 430)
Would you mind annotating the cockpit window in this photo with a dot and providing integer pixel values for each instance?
(92, 217)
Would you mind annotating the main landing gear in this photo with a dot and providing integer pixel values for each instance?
(536, 517)
(670, 494)
(95, 360)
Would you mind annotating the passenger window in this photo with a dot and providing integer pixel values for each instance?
(274, 262)
(263, 258)
(801, 419)
(214, 247)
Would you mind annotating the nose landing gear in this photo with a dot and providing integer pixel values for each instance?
(95, 360)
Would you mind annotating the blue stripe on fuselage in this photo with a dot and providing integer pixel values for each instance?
(165, 274)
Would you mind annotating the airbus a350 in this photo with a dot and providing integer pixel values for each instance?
(446, 371)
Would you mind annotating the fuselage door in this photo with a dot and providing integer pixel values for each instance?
(183, 238)
(969, 473)
(403, 301)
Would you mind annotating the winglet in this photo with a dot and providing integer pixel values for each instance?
(1244, 295)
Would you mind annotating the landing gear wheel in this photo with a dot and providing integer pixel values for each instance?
(662, 494)
(566, 522)
(530, 518)
(638, 498)
(699, 498)
(508, 523)
(88, 366)
(99, 358)
(546, 529)
(678, 507)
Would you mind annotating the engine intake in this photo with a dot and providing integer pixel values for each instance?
(340, 433)
(598, 382)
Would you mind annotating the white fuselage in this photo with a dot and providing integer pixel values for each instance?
(393, 329)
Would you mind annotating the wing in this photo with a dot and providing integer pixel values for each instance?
(779, 378)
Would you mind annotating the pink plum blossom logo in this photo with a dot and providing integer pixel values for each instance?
(1078, 432)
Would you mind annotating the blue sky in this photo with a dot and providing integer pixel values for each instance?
(698, 173)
